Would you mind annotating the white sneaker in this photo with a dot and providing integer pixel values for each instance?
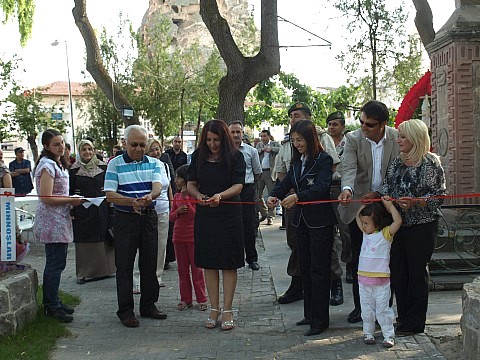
(369, 340)
(388, 342)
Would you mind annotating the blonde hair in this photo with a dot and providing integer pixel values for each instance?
(417, 133)
(150, 142)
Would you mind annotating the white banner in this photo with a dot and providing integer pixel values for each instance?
(8, 220)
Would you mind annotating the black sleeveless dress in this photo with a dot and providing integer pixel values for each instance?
(218, 231)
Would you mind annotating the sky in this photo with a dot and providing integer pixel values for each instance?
(316, 66)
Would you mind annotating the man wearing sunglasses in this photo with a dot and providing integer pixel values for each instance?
(366, 157)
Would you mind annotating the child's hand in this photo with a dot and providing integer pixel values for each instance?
(387, 202)
(183, 209)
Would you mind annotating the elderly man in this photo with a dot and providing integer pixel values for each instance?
(132, 183)
(366, 157)
(267, 150)
(177, 155)
(20, 170)
(300, 111)
(253, 170)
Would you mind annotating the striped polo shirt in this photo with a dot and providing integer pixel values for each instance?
(132, 178)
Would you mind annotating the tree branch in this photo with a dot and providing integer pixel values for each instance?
(424, 21)
(95, 63)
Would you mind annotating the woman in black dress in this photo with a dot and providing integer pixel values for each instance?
(215, 177)
(94, 255)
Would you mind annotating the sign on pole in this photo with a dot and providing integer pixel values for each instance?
(8, 217)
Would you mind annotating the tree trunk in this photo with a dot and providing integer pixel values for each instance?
(95, 63)
(31, 139)
(242, 72)
(199, 120)
(424, 21)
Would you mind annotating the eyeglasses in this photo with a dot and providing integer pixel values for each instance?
(369, 125)
(134, 144)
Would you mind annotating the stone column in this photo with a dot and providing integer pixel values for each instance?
(455, 63)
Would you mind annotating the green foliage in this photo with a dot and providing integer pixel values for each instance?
(104, 121)
(26, 113)
(272, 98)
(407, 70)
(37, 339)
(377, 36)
(24, 10)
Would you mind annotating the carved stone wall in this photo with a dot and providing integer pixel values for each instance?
(455, 62)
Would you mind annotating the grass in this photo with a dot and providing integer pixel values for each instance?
(37, 339)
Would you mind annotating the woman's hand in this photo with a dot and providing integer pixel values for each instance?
(345, 197)
(290, 201)
(202, 199)
(272, 202)
(406, 203)
(214, 201)
(75, 201)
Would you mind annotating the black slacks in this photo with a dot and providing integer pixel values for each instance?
(411, 251)
(248, 214)
(131, 232)
(315, 255)
(356, 240)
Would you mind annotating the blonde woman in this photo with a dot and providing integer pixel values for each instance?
(415, 178)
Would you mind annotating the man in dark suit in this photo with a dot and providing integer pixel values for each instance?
(367, 154)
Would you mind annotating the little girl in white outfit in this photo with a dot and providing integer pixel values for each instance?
(375, 221)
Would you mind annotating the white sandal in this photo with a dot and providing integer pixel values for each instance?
(212, 323)
(228, 324)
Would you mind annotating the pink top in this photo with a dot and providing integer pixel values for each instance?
(183, 228)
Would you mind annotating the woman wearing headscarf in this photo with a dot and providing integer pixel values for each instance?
(94, 253)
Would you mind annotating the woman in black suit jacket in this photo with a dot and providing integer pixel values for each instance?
(310, 177)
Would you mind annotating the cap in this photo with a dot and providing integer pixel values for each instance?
(18, 149)
(299, 106)
(337, 115)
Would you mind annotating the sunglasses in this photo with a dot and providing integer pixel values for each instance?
(369, 125)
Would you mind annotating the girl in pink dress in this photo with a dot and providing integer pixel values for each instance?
(183, 215)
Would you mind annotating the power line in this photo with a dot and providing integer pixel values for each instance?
(328, 43)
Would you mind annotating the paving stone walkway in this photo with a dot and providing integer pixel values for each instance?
(263, 328)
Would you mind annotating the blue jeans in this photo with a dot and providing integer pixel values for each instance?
(56, 260)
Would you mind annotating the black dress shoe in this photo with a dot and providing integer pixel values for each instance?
(314, 331)
(402, 331)
(303, 322)
(336, 293)
(68, 309)
(131, 322)
(355, 316)
(59, 314)
(254, 266)
(155, 314)
(290, 297)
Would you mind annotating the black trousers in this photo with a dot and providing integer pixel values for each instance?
(248, 214)
(293, 267)
(315, 254)
(131, 232)
(356, 240)
(411, 251)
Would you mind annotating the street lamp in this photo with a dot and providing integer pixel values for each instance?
(55, 43)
